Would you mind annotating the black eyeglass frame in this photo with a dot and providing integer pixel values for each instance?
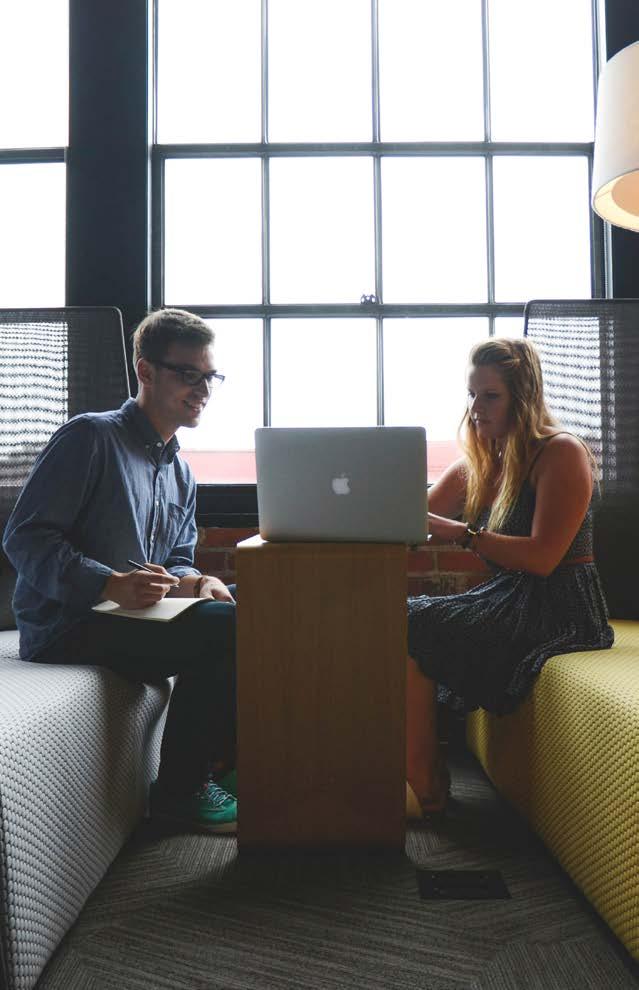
(213, 379)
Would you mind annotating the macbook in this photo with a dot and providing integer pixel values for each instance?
(353, 483)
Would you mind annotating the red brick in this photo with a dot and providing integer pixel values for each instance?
(436, 541)
(421, 561)
(460, 560)
(423, 586)
(220, 536)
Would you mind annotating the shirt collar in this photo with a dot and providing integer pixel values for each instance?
(134, 416)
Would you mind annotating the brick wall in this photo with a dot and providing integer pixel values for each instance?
(438, 570)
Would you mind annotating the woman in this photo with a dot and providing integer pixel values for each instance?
(523, 492)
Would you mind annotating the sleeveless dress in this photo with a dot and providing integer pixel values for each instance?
(485, 647)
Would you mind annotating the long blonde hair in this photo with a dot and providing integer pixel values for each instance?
(508, 458)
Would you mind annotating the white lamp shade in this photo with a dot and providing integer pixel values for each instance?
(615, 175)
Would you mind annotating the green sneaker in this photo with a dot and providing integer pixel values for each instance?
(228, 783)
(210, 809)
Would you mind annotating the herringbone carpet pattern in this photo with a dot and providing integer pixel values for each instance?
(184, 912)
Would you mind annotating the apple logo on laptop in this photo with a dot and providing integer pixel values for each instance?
(341, 485)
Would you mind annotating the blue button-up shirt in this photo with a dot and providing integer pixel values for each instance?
(106, 488)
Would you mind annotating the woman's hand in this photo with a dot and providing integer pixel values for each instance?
(445, 530)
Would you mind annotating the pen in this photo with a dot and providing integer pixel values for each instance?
(140, 567)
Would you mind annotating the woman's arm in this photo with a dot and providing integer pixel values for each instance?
(562, 478)
(448, 494)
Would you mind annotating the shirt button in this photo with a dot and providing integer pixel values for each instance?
(158, 444)
(157, 503)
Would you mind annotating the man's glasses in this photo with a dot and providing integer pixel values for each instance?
(193, 377)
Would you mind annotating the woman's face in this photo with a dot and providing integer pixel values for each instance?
(489, 402)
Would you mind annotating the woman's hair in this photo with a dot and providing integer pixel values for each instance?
(163, 327)
(506, 459)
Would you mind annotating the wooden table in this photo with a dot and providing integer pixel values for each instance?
(321, 694)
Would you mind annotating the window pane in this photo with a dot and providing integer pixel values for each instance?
(209, 71)
(434, 230)
(34, 74)
(320, 70)
(323, 373)
(322, 230)
(542, 233)
(222, 448)
(32, 246)
(541, 70)
(509, 326)
(425, 364)
(213, 231)
(430, 89)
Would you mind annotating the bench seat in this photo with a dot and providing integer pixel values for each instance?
(79, 747)
(568, 760)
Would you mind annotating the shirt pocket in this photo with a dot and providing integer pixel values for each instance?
(174, 519)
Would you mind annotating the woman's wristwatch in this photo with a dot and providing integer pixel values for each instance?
(470, 534)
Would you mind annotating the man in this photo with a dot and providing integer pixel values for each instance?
(111, 488)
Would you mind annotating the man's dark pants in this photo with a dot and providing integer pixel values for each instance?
(199, 647)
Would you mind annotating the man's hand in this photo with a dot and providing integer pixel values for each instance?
(212, 587)
(137, 589)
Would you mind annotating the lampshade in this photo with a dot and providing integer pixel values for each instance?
(615, 176)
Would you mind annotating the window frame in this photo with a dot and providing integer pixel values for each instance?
(111, 127)
(211, 497)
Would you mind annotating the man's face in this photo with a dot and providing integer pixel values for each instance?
(174, 402)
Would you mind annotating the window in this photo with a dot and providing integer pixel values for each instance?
(33, 136)
(357, 192)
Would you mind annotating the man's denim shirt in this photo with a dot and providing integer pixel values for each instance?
(106, 488)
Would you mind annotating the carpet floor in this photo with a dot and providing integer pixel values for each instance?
(185, 912)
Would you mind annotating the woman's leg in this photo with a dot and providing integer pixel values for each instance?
(424, 770)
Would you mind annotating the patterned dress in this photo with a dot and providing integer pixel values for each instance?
(485, 647)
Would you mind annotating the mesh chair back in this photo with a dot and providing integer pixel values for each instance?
(589, 351)
(54, 363)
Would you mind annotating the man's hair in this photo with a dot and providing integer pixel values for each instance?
(160, 329)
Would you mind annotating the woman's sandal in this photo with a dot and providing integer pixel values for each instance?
(417, 809)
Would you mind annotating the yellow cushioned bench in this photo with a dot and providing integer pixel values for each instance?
(568, 760)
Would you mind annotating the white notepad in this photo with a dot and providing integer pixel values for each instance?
(162, 611)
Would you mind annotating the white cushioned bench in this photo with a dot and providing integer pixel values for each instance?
(79, 747)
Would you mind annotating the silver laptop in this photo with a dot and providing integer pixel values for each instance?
(353, 483)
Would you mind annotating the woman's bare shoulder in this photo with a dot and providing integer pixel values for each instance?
(563, 449)
(561, 440)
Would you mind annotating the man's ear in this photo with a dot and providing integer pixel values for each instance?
(145, 371)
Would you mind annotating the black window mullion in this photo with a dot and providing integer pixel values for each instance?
(107, 254)
(600, 244)
(266, 372)
(266, 291)
(31, 156)
(158, 239)
(375, 69)
(266, 224)
(488, 167)
(377, 207)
